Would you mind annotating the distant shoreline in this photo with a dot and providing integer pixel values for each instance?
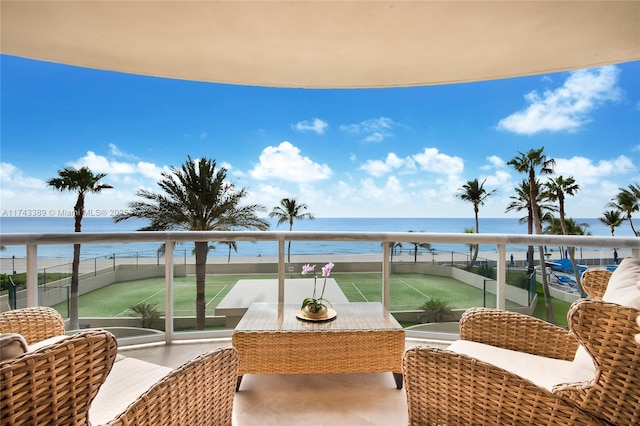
(7, 264)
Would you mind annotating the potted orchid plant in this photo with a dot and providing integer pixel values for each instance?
(315, 307)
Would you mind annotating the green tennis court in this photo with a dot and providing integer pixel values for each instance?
(407, 292)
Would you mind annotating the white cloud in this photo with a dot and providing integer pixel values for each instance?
(379, 168)
(13, 178)
(100, 164)
(150, 170)
(498, 180)
(495, 161)
(432, 160)
(566, 108)
(285, 162)
(204, 135)
(314, 125)
(117, 152)
(374, 130)
(585, 171)
(391, 193)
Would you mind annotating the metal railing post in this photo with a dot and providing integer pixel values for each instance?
(281, 271)
(385, 275)
(32, 275)
(168, 289)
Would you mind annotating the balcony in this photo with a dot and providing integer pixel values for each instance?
(355, 399)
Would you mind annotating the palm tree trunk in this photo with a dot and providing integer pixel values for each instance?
(74, 320)
(570, 250)
(476, 247)
(74, 311)
(201, 248)
(543, 270)
(530, 265)
(632, 227)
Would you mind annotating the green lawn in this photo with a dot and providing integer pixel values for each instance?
(407, 291)
(560, 308)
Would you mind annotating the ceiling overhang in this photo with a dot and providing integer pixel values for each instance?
(325, 44)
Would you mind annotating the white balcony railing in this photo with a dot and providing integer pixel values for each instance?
(32, 241)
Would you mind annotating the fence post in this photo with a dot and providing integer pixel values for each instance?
(501, 276)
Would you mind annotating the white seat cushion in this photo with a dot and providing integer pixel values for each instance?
(129, 378)
(544, 372)
(46, 342)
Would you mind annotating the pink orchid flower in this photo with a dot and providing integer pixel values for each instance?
(326, 269)
(308, 269)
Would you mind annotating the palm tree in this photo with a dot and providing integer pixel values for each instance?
(556, 189)
(393, 248)
(81, 181)
(521, 202)
(475, 193)
(528, 163)
(416, 246)
(232, 245)
(471, 246)
(628, 202)
(288, 211)
(612, 219)
(196, 197)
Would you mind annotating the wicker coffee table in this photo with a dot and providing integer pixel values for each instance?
(363, 338)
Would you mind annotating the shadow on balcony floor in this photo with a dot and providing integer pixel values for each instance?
(309, 399)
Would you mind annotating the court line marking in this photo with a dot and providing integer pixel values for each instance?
(356, 287)
(220, 291)
(413, 288)
(142, 301)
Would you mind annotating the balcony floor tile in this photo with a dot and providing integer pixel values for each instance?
(309, 399)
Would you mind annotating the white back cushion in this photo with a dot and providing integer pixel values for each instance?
(622, 284)
(621, 290)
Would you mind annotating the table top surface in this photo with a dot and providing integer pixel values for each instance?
(350, 317)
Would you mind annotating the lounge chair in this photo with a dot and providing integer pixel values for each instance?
(201, 392)
(510, 368)
(34, 324)
(80, 379)
(55, 384)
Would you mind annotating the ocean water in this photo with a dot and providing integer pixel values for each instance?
(248, 249)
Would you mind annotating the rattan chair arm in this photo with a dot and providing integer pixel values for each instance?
(518, 332)
(444, 387)
(606, 331)
(595, 281)
(34, 324)
(199, 393)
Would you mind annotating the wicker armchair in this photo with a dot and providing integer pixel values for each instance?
(198, 393)
(446, 387)
(55, 384)
(34, 324)
(594, 282)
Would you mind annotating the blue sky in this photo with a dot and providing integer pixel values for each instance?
(401, 152)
